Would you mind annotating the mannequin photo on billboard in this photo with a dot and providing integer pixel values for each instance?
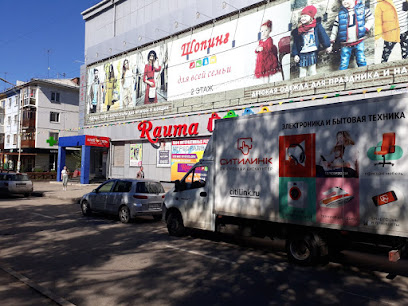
(391, 30)
(349, 25)
(308, 39)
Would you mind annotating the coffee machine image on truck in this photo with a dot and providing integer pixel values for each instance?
(318, 177)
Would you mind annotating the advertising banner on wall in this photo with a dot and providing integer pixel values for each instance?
(240, 53)
(117, 87)
(164, 155)
(184, 154)
(136, 154)
(268, 46)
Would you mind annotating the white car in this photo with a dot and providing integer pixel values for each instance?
(15, 183)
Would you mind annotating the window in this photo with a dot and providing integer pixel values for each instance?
(28, 114)
(123, 186)
(55, 97)
(14, 139)
(54, 117)
(3, 103)
(29, 93)
(106, 187)
(9, 102)
(118, 155)
(15, 119)
(28, 136)
(9, 120)
(30, 97)
(196, 178)
(17, 177)
(149, 187)
(54, 135)
(8, 139)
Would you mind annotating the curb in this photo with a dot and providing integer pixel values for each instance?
(44, 194)
(40, 289)
(74, 200)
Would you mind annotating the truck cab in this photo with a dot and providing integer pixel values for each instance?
(190, 202)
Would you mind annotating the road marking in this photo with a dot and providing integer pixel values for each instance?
(367, 297)
(40, 289)
(200, 254)
(45, 216)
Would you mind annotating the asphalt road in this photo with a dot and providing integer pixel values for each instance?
(99, 261)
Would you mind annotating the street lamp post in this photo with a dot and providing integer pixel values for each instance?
(19, 123)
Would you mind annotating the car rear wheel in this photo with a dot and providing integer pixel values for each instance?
(27, 195)
(175, 225)
(124, 214)
(86, 210)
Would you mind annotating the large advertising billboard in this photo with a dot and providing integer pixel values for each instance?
(268, 47)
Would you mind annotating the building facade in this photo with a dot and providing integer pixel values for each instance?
(159, 74)
(36, 114)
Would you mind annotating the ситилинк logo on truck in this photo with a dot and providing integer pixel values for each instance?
(244, 145)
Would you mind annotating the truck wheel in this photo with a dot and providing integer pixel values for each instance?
(302, 249)
(175, 225)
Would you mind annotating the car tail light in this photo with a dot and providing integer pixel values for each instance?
(163, 196)
(140, 196)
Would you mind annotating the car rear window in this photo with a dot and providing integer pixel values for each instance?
(17, 177)
(149, 187)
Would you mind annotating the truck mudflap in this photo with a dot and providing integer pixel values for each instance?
(396, 254)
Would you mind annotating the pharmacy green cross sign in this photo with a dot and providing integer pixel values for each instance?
(52, 141)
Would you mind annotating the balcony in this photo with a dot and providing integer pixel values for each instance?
(28, 123)
(28, 143)
(29, 119)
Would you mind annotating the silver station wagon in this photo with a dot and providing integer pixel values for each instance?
(126, 198)
(15, 183)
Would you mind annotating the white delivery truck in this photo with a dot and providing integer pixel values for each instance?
(315, 176)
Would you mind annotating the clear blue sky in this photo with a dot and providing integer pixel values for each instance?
(32, 27)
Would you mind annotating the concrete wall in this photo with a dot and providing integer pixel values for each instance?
(67, 109)
(149, 165)
(111, 23)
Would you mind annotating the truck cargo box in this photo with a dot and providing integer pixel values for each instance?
(339, 166)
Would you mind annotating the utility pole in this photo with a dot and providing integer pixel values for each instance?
(48, 52)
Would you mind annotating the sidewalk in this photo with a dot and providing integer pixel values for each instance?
(53, 189)
(74, 192)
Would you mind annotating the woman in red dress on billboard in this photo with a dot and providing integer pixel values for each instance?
(266, 54)
(148, 77)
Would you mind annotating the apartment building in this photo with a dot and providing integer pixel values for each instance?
(34, 115)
